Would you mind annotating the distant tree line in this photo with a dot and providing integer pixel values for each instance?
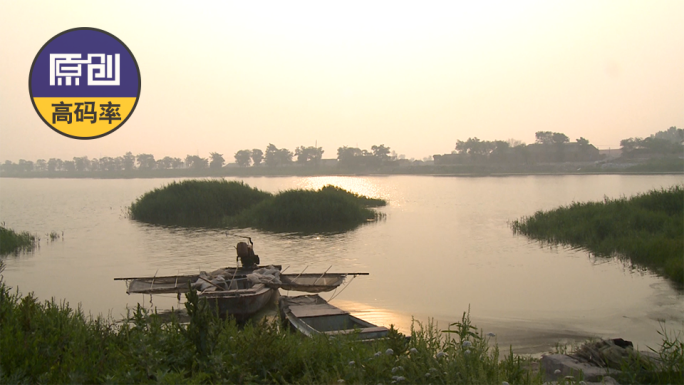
(312, 156)
(309, 156)
(274, 156)
(127, 162)
(662, 143)
(548, 147)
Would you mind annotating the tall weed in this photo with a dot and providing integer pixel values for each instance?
(14, 242)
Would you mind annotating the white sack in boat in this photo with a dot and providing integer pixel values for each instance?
(202, 285)
(219, 281)
(267, 274)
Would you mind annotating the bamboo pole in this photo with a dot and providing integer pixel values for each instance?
(322, 275)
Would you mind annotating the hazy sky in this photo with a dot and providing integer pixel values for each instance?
(414, 76)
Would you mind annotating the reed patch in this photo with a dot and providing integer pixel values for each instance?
(14, 242)
(330, 208)
(645, 230)
(219, 203)
(195, 202)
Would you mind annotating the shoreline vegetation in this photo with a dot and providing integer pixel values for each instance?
(667, 165)
(49, 342)
(231, 204)
(645, 230)
(15, 242)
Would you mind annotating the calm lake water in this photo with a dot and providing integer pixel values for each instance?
(444, 247)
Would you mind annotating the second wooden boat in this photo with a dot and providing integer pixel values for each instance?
(311, 315)
(310, 283)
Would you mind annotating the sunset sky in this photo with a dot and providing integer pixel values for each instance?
(418, 76)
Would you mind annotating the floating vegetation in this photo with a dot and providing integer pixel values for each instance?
(646, 229)
(219, 203)
(53, 236)
(13, 242)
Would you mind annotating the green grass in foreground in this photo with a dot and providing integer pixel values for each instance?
(648, 229)
(12, 242)
(219, 203)
(49, 342)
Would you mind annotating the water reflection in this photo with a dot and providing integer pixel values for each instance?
(357, 185)
(376, 315)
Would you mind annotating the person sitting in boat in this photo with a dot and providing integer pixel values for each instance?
(245, 252)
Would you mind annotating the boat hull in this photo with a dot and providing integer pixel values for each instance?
(240, 306)
(311, 315)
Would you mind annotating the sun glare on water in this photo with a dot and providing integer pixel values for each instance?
(362, 186)
(376, 315)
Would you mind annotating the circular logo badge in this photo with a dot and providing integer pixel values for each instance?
(84, 83)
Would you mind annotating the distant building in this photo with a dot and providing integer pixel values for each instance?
(423, 162)
(397, 163)
(610, 153)
(450, 159)
(328, 162)
(568, 152)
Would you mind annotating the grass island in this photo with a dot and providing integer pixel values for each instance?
(221, 203)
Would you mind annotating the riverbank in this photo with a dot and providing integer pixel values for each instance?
(655, 167)
(50, 342)
(192, 174)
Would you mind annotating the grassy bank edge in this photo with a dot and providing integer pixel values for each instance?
(49, 342)
(647, 230)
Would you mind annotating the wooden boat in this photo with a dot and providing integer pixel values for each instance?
(177, 283)
(310, 283)
(311, 315)
(237, 296)
(242, 300)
